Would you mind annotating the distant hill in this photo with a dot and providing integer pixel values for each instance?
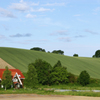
(20, 58)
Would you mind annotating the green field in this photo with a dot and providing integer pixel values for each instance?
(20, 58)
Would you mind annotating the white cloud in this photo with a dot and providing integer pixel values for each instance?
(80, 36)
(35, 4)
(42, 10)
(60, 32)
(97, 9)
(65, 39)
(22, 6)
(30, 16)
(6, 13)
(21, 1)
(2, 36)
(92, 32)
(77, 15)
(21, 35)
(55, 4)
(5, 27)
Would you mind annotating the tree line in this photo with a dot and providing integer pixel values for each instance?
(96, 55)
(43, 50)
(41, 72)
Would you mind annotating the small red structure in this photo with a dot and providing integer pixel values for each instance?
(17, 77)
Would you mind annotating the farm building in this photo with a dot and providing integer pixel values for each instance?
(17, 77)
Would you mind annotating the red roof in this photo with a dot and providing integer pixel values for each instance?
(13, 72)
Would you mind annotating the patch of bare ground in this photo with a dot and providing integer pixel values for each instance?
(43, 97)
(3, 64)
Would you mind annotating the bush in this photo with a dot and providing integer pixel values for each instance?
(84, 78)
(71, 78)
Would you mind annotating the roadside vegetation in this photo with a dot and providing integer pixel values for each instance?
(42, 78)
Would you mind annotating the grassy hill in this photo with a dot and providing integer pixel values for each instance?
(20, 58)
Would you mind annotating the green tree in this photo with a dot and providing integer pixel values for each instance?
(84, 78)
(75, 55)
(43, 71)
(59, 74)
(58, 64)
(58, 52)
(97, 54)
(38, 49)
(93, 56)
(7, 78)
(31, 77)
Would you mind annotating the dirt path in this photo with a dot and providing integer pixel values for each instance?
(43, 97)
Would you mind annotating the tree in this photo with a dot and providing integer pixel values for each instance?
(38, 49)
(59, 74)
(31, 77)
(93, 56)
(58, 64)
(84, 78)
(97, 54)
(43, 69)
(7, 78)
(58, 52)
(75, 55)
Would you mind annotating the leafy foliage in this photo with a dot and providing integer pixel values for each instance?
(58, 52)
(97, 54)
(93, 56)
(59, 74)
(84, 78)
(75, 55)
(31, 77)
(43, 71)
(38, 49)
(71, 78)
(58, 64)
(7, 78)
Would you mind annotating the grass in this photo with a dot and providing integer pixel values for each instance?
(48, 92)
(20, 58)
(70, 86)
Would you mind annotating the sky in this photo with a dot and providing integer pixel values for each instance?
(72, 26)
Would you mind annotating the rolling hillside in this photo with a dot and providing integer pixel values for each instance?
(3, 64)
(20, 58)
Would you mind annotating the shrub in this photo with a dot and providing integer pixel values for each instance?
(84, 78)
(71, 78)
